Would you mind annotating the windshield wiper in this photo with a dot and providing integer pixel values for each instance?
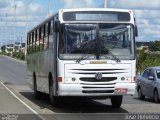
(107, 51)
(82, 58)
(85, 56)
(115, 57)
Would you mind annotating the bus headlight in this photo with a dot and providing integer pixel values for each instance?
(125, 79)
(73, 79)
(70, 80)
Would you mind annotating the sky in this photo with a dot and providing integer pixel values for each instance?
(31, 12)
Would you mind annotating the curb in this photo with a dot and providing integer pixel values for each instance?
(20, 61)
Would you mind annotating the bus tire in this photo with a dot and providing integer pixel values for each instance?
(116, 101)
(36, 93)
(52, 97)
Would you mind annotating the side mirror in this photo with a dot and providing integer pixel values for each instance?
(150, 78)
(136, 31)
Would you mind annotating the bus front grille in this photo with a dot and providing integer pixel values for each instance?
(93, 79)
(91, 88)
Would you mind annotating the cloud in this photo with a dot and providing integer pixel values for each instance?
(30, 8)
(77, 4)
(4, 4)
(148, 22)
(141, 4)
(148, 14)
(25, 10)
(157, 21)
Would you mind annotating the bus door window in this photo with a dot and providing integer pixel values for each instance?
(29, 43)
(50, 41)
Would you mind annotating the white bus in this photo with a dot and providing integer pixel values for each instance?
(86, 53)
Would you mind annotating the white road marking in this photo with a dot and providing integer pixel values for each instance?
(22, 101)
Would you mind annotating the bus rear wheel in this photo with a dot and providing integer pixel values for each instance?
(116, 101)
(37, 94)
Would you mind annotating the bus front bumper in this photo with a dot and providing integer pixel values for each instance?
(96, 90)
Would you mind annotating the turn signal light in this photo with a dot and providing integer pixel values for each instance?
(60, 79)
(134, 79)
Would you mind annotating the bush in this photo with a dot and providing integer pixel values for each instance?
(8, 54)
(145, 60)
(19, 55)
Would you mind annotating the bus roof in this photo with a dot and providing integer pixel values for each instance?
(79, 9)
(96, 9)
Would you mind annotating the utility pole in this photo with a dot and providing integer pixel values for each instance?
(1, 32)
(49, 7)
(105, 3)
(26, 26)
(6, 28)
(26, 30)
(14, 39)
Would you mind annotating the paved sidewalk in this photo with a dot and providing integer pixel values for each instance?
(9, 104)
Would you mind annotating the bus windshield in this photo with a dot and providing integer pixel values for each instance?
(80, 39)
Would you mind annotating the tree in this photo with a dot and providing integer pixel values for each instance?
(141, 55)
(155, 46)
(3, 48)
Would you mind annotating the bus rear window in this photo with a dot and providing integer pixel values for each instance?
(96, 16)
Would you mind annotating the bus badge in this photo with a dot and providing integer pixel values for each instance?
(98, 76)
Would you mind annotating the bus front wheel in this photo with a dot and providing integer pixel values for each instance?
(116, 101)
(53, 99)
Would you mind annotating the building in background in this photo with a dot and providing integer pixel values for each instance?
(143, 46)
(10, 48)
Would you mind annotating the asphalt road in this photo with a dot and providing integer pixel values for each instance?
(12, 71)
(13, 75)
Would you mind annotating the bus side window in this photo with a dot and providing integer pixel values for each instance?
(34, 41)
(41, 38)
(46, 36)
(46, 29)
(28, 43)
(49, 32)
(37, 40)
(52, 26)
(31, 41)
(49, 28)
